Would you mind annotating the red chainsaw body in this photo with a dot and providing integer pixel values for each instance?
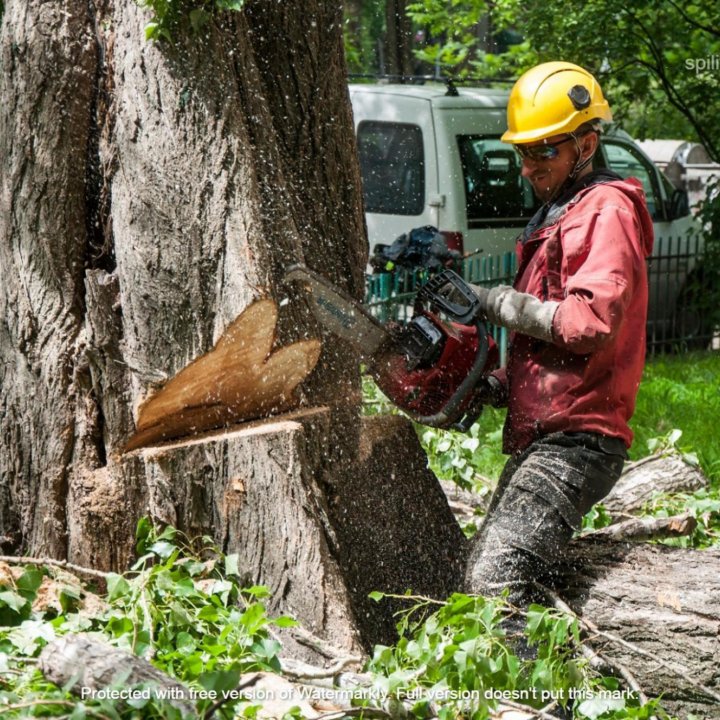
(426, 390)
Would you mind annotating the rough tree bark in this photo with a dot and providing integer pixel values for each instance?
(398, 38)
(150, 192)
(664, 601)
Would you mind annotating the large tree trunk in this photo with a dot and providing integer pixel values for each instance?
(150, 192)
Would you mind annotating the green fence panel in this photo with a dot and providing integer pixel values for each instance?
(684, 297)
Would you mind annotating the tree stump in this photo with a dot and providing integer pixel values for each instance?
(321, 541)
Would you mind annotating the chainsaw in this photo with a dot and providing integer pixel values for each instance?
(430, 367)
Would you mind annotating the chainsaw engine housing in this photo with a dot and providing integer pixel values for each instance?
(438, 357)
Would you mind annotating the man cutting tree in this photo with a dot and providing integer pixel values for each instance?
(576, 313)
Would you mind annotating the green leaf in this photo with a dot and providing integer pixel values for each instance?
(198, 19)
(258, 591)
(231, 564)
(376, 595)
(69, 598)
(266, 648)
(185, 642)
(117, 586)
(162, 548)
(221, 681)
(13, 600)
(284, 621)
(230, 4)
(600, 704)
(25, 637)
(151, 30)
(254, 618)
(28, 583)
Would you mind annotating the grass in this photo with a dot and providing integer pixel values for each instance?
(681, 392)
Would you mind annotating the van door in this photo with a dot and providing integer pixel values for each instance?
(676, 238)
(398, 164)
(486, 199)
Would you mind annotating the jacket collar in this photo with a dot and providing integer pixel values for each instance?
(550, 213)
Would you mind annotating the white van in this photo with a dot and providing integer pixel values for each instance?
(431, 155)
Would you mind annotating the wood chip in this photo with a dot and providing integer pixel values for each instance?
(239, 379)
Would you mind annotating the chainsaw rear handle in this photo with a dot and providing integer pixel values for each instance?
(452, 413)
(448, 293)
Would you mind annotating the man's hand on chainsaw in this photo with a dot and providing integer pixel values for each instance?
(490, 391)
(522, 312)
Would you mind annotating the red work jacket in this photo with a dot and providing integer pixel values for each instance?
(592, 261)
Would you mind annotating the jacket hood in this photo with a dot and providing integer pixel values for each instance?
(632, 190)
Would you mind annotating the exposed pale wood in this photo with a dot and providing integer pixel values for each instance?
(664, 473)
(239, 379)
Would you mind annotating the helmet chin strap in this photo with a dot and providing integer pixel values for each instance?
(579, 166)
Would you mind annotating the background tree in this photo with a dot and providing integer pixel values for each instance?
(379, 38)
(149, 193)
(655, 62)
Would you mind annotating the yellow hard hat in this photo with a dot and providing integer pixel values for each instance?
(551, 99)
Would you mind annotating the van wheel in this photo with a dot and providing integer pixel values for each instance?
(696, 312)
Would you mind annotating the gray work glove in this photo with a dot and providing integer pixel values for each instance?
(517, 311)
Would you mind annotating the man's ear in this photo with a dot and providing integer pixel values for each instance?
(589, 146)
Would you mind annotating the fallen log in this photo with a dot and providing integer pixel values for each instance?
(90, 669)
(664, 603)
(648, 528)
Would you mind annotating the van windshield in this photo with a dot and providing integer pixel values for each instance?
(494, 189)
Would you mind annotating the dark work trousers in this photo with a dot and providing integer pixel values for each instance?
(539, 503)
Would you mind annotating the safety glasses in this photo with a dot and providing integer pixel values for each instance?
(541, 152)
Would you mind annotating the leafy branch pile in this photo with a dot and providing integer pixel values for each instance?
(179, 606)
(182, 608)
(464, 655)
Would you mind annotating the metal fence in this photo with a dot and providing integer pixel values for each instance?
(684, 301)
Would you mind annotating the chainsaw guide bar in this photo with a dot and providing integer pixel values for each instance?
(430, 367)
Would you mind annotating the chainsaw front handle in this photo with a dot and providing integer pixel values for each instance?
(450, 294)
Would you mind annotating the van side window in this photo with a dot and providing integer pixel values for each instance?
(494, 188)
(626, 163)
(393, 167)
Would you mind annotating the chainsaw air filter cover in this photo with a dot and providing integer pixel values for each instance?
(438, 358)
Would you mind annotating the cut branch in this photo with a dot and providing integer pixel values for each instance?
(49, 562)
(642, 529)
